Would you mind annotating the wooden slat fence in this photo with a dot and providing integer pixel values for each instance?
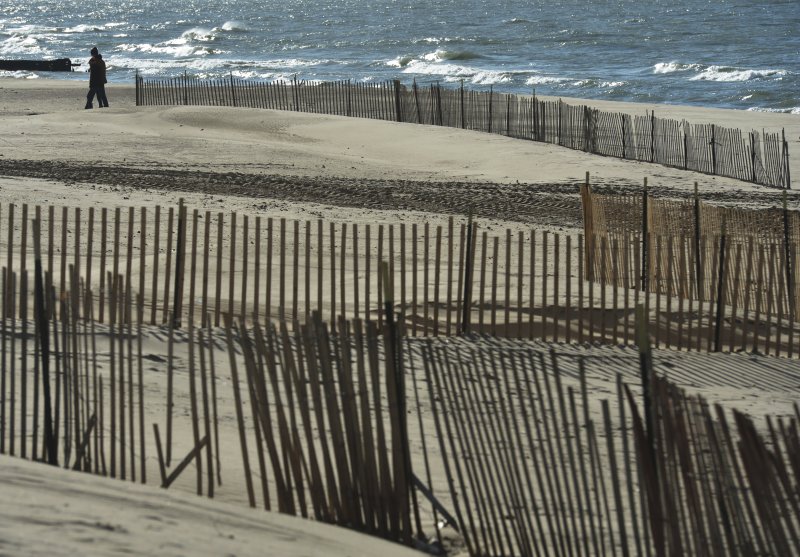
(453, 277)
(683, 251)
(762, 158)
(539, 464)
(532, 464)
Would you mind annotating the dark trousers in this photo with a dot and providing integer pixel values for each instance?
(102, 100)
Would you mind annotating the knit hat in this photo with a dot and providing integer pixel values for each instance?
(94, 51)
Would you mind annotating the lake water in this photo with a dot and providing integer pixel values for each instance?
(725, 53)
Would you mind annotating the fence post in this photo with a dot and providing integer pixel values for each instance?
(685, 149)
(137, 88)
(295, 94)
(180, 248)
(491, 90)
(394, 358)
(720, 292)
(787, 253)
(398, 110)
(645, 238)
(753, 155)
(463, 126)
(713, 151)
(44, 351)
(467, 302)
(624, 149)
(508, 114)
(652, 136)
(439, 103)
(588, 227)
(233, 90)
(185, 86)
(558, 141)
(416, 100)
(349, 101)
(786, 159)
(697, 258)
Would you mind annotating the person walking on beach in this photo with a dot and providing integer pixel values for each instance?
(97, 80)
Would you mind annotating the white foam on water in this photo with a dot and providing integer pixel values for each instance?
(19, 75)
(544, 80)
(731, 74)
(674, 67)
(84, 28)
(22, 44)
(793, 110)
(234, 26)
(400, 62)
(198, 34)
(441, 55)
(176, 50)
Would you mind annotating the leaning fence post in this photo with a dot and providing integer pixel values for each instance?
(233, 90)
(394, 359)
(720, 291)
(185, 87)
(787, 257)
(786, 159)
(713, 150)
(44, 345)
(685, 149)
(180, 248)
(467, 303)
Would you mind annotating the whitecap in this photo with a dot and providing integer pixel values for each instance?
(83, 28)
(19, 44)
(172, 48)
(544, 80)
(673, 67)
(793, 110)
(400, 62)
(731, 74)
(234, 26)
(19, 74)
(198, 34)
(442, 54)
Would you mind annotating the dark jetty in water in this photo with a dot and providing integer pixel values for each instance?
(59, 65)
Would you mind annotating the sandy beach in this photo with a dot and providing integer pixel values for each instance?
(294, 157)
(304, 166)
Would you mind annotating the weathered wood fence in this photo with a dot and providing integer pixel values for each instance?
(762, 158)
(189, 266)
(508, 445)
(747, 258)
(541, 464)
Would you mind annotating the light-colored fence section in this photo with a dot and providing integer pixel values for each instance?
(695, 250)
(762, 158)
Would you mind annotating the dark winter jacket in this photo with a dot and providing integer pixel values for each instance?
(97, 71)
